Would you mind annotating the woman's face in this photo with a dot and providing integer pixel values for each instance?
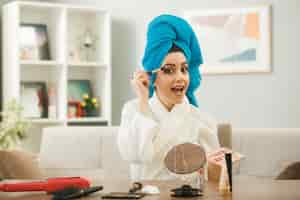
(172, 80)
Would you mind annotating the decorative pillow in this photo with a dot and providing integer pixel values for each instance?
(15, 164)
(225, 135)
(292, 171)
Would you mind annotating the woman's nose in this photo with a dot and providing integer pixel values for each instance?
(180, 75)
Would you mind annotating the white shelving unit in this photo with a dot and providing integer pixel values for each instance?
(67, 28)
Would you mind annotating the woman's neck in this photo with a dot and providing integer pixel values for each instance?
(168, 106)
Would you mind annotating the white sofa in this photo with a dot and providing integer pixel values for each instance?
(267, 150)
(82, 151)
(93, 152)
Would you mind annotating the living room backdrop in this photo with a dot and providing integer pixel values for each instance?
(245, 100)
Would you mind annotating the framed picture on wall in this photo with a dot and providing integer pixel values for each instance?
(78, 88)
(233, 40)
(34, 99)
(34, 42)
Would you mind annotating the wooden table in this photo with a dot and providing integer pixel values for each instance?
(244, 188)
(247, 188)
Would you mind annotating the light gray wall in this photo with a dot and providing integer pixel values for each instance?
(251, 100)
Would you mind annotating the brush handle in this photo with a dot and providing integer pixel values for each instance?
(50, 185)
(24, 187)
(228, 158)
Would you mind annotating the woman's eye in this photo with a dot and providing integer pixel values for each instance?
(167, 70)
(184, 69)
(172, 70)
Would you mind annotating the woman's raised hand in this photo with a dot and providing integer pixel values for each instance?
(140, 83)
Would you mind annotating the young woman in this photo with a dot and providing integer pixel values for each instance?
(165, 111)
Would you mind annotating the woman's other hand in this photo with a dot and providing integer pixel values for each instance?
(218, 157)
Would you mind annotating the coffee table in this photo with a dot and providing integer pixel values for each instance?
(244, 188)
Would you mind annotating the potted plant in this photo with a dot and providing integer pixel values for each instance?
(13, 126)
(89, 106)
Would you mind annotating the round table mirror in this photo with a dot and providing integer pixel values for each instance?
(185, 158)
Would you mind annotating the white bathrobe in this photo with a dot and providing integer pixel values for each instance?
(145, 138)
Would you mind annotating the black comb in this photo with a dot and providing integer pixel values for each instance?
(72, 192)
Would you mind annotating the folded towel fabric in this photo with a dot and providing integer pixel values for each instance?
(163, 32)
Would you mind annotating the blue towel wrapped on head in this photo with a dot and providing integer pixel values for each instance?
(163, 32)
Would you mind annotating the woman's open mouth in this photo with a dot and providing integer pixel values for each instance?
(178, 90)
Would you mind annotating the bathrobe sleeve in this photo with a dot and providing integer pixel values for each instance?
(136, 134)
(208, 133)
(208, 136)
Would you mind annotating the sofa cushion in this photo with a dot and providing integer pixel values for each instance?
(265, 149)
(225, 135)
(292, 171)
(82, 151)
(71, 148)
(15, 164)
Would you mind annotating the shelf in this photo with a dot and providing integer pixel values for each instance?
(46, 121)
(87, 64)
(35, 5)
(87, 119)
(68, 27)
(59, 121)
(39, 63)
